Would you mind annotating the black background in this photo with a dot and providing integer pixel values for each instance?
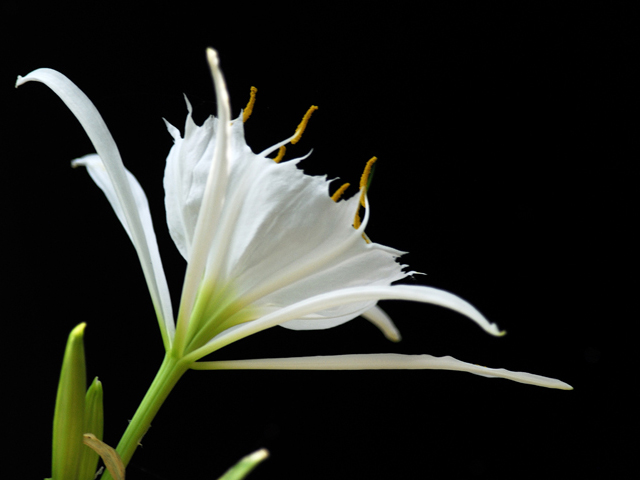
(506, 143)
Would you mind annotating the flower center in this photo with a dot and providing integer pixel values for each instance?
(218, 307)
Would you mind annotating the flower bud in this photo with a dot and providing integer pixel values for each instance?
(69, 413)
(93, 423)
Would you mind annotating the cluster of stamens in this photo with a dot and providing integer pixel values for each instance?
(365, 179)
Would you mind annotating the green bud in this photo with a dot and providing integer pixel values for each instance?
(68, 419)
(93, 423)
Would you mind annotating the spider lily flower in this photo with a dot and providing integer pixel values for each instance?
(265, 245)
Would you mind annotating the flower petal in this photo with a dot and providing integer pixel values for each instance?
(380, 361)
(185, 177)
(118, 184)
(213, 199)
(380, 319)
(348, 296)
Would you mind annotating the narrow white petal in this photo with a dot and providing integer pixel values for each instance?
(349, 296)
(380, 319)
(381, 361)
(120, 189)
(98, 173)
(212, 200)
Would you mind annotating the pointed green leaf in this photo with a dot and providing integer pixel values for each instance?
(68, 418)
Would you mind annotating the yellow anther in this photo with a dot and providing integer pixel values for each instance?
(364, 183)
(356, 224)
(357, 221)
(246, 113)
(364, 179)
(338, 193)
(303, 124)
(280, 154)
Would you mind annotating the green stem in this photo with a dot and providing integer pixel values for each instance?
(168, 375)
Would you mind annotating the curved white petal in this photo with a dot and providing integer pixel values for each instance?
(345, 297)
(380, 361)
(380, 319)
(212, 203)
(98, 173)
(119, 186)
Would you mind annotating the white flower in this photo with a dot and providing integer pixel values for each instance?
(265, 245)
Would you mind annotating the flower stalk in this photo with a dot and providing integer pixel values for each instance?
(168, 375)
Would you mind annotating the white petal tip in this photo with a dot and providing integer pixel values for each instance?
(559, 385)
(494, 330)
(86, 161)
(19, 81)
(212, 57)
(394, 337)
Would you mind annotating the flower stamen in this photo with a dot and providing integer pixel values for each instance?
(280, 155)
(365, 181)
(303, 124)
(338, 193)
(248, 110)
